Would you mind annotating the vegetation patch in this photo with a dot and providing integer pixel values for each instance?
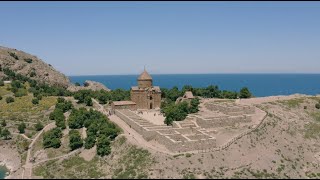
(292, 103)
(312, 130)
(134, 164)
(73, 168)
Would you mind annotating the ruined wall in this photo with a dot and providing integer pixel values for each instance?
(156, 99)
(222, 121)
(174, 139)
(230, 109)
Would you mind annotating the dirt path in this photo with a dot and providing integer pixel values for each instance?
(27, 172)
(24, 136)
(59, 157)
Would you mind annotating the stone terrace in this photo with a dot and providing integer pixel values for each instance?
(182, 137)
(220, 114)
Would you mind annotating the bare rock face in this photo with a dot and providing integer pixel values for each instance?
(92, 85)
(32, 67)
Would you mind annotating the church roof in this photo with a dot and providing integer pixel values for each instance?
(144, 76)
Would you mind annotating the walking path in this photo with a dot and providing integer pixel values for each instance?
(27, 172)
(59, 157)
(24, 136)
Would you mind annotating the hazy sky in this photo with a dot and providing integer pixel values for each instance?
(100, 38)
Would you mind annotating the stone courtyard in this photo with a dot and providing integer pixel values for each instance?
(216, 123)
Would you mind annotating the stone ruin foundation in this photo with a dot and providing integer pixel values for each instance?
(192, 134)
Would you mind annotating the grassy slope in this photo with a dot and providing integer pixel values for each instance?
(125, 161)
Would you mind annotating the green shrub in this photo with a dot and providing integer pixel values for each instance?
(318, 106)
(52, 138)
(245, 93)
(3, 123)
(28, 60)
(0, 98)
(33, 74)
(85, 84)
(103, 146)
(35, 101)
(21, 92)
(38, 126)
(89, 142)
(9, 99)
(75, 140)
(1, 83)
(6, 134)
(39, 97)
(88, 101)
(21, 128)
(12, 54)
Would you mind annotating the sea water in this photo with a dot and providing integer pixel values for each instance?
(3, 171)
(259, 84)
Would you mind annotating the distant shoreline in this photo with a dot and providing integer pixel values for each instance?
(200, 74)
(261, 85)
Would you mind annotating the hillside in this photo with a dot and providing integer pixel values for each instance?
(30, 66)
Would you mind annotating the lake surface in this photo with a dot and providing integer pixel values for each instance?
(3, 171)
(259, 84)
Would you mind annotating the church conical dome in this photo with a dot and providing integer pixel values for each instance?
(144, 76)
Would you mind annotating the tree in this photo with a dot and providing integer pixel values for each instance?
(52, 138)
(75, 140)
(9, 99)
(38, 126)
(194, 105)
(103, 146)
(6, 134)
(88, 101)
(35, 101)
(64, 106)
(3, 123)
(60, 100)
(28, 60)
(22, 128)
(245, 93)
(89, 142)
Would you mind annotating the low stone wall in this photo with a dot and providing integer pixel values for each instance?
(221, 121)
(174, 139)
(186, 145)
(230, 109)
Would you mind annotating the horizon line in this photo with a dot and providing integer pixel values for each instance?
(267, 73)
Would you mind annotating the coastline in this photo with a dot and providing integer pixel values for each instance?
(10, 159)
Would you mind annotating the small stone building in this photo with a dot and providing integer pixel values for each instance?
(123, 105)
(188, 96)
(145, 95)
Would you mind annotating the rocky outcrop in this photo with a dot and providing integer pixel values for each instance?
(92, 85)
(32, 67)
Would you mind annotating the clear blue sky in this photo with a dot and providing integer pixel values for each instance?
(100, 38)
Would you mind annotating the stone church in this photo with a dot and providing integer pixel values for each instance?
(145, 95)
